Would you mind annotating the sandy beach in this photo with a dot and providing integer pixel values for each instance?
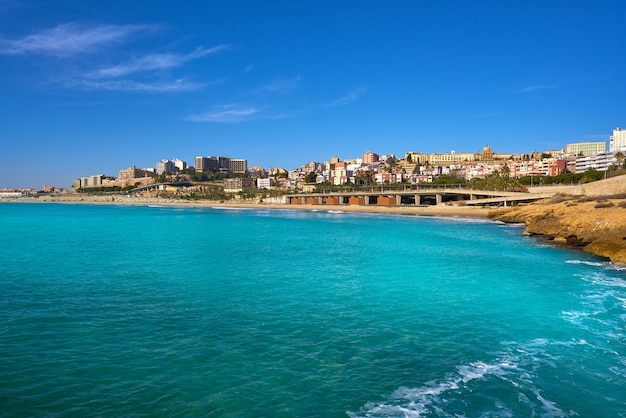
(439, 210)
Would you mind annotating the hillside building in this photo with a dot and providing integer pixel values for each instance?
(134, 172)
(452, 158)
(179, 165)
(90, 181)
(225, 164)
(165, 166)
(370, 158)
(416, 158)
(617, 142)
(601, 162)
(586, 148)
(238, 184)
(265, 183)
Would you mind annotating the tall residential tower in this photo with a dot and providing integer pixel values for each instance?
(618, 140)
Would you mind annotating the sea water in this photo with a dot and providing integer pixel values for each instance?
(147, 311)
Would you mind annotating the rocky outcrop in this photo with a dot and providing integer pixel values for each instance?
(595, 223)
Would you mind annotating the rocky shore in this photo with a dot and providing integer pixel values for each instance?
(596, 223)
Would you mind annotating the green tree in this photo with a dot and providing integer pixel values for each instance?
(447, 179)
(311, 177)
(364, 177)
(591, 175)
(495, 181)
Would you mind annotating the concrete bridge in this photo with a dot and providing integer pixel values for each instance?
(414, 196)
(409, 195)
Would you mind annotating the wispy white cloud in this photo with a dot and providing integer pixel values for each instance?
(153, 62)
(174, 86)
(70, 39)
(279, 85)
(226, 114)
(352, 96)
(141, 73)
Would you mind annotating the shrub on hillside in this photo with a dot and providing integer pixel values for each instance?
(604, 205)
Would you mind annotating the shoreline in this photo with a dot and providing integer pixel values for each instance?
(439, 211)
(453, 211)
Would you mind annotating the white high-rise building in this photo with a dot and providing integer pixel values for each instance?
(618, 140)
(179, 164)
(165, 166)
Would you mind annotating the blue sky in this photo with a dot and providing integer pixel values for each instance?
(92, 87)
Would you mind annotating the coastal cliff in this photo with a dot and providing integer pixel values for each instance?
(594, 222)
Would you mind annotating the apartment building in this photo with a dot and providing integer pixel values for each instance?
(586, 148)
(452, 158)
(387, 178)
(165, 166)
(601, 162)
(238, 184)
(179, 164)
(617, 141)
(266, 183)
(480, 170)
(134, 172)
(236, 165)
(524, 168)
(90, 181)
(370, 158)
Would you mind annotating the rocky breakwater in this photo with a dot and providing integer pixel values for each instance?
(597, 224)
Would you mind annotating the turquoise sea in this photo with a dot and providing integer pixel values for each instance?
(111, 311)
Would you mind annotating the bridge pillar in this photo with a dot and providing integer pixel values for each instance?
(398, 199)
(367, 200)
(418, 199)
(438, 199)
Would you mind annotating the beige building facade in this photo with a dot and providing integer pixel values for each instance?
(586, 148)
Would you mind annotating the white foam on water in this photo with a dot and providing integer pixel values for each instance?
(415, 402)
(514, 368)
(511, 225)
(463, 220)
(237, 208)
(604, 280)
(574, 317)
(603, 264)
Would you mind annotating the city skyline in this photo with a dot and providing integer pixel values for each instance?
(93, 88)
(584, 155)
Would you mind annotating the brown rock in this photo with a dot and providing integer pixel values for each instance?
(597, 224)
